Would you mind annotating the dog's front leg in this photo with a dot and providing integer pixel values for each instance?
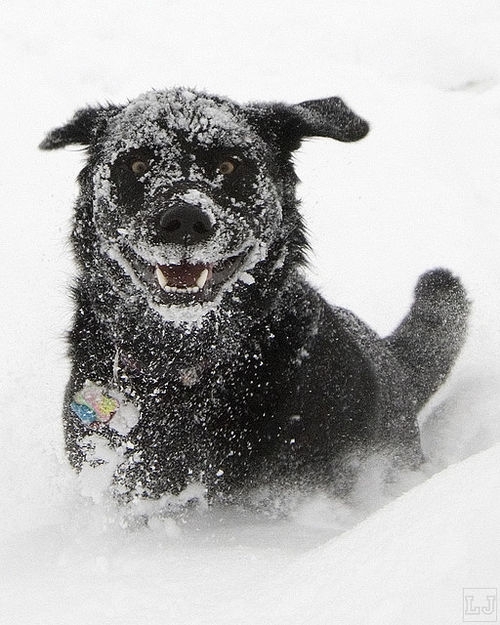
(99, 414)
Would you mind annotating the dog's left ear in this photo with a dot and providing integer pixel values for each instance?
(288, 125)
(84, 128)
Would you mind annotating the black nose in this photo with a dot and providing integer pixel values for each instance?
(184, 223)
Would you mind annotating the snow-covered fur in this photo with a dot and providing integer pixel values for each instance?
(199, 352)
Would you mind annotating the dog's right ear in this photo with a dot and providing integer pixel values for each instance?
(84, 128)
(289, 125)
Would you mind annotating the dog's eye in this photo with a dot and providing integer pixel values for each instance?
(139, 167)
(228, 166)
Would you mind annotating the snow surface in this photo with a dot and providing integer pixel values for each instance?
(422, 190)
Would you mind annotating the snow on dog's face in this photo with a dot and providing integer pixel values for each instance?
(191, 196)
(183, 199)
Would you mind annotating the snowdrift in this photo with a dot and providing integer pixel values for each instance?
(410, 561)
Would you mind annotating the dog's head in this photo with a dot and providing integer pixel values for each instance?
(187, 198)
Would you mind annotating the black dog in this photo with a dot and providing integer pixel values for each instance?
(199, 352)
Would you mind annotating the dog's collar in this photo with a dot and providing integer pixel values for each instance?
(128, 367)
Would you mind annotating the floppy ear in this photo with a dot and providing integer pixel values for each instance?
(84, 128)
(329, 117)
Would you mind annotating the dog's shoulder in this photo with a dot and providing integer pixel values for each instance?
(336, 344)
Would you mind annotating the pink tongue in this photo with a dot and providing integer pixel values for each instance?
(184, 275)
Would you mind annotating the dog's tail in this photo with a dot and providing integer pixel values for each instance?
(429, 339)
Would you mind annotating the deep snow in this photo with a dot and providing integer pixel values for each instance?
(421, 190)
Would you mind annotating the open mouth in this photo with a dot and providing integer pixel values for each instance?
(196, 282)
(184, 277)
(188, 282)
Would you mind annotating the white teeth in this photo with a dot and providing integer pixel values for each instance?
(202, 278)
(180, 289)
(162, 281)
(161, 278)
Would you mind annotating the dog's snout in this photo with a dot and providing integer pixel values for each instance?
(184, 223)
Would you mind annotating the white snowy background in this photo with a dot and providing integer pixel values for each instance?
(422, 190)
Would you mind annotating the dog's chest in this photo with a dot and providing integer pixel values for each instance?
(199, 388)
(209, 401)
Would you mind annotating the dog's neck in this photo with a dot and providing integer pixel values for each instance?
(141, 343)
